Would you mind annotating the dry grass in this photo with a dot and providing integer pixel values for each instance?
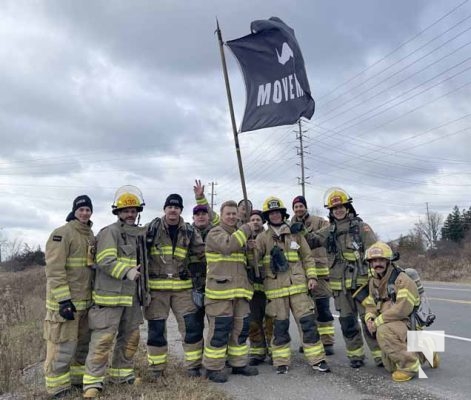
(22, 350)
(447, 268)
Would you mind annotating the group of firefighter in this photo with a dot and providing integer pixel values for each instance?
(241, 273)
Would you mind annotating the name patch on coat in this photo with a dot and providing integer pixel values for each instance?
(57, 238)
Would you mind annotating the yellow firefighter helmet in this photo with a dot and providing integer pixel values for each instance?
(336, 196)
(379, 250)
(273, 204)
(126, 197)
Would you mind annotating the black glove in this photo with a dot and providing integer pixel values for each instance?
(67, 309)
(298, 227)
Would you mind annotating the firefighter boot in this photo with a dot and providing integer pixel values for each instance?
(402, 376)
(216, 376)
(91, 393)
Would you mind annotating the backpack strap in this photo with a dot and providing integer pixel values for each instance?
(152, 230)
(392, 280)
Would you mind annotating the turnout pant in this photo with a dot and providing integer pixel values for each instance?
(392, 339)
(325, 321)
(302, 307)
(350, 310)
(260, 328)
(227, 333)
(67, 348)
(190, 322)
(108, 323)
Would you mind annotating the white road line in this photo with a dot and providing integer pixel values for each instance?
(444, 288)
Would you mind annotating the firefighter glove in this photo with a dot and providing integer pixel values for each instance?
(67, 309)
(298, 227)
(278, 262)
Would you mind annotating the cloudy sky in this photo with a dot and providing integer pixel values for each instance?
(97, 94)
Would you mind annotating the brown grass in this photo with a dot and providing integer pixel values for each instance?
(22, 351)
(447, 268)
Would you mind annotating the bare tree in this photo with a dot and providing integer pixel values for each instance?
(429, 228)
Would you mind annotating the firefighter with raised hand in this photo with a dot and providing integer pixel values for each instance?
(392, 298)
(322, 292)
(69, 273)
(261, 325)
(173, 245)
(345, 240)
(228, 292)
(204, 217)
(289, 271)
(116, 312)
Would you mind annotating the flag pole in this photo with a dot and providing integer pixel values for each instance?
(233, 121)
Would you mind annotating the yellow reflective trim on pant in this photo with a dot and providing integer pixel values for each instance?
(76, 262)
(376, 353)
(349, 256)
(109, 252)
(233, 257)
(413, 368)
(228, 294)
(61, 292)
(257, 351)
(215, 353)
(157, 359)
(405, 293)
(193, 355)
(287, 291)
(120, 372)
(58, 380)
(360, 352)
(77, 370)
(238, 350)
(90, 379)
(326, 330)
(335, 284)
(169, 284)
(284, 352)
(292, 256)
(111, 300)
(315, 350)
(240, 236)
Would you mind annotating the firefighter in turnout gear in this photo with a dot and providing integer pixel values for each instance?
(173, 244)
(261, 325)
(116, 312)
(289, 272)
(228, 292)
(322, 293)
(345, 240)
(69, 261)
(392, 297)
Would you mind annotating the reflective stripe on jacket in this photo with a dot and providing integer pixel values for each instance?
(301, 264)
(116, 255)
(226, 276)
(169, 263)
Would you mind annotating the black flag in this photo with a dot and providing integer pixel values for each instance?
(276, 83)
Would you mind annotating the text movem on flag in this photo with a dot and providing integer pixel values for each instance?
(276, 83)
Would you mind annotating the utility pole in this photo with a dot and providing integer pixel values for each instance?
(213, 194)
(300, 152)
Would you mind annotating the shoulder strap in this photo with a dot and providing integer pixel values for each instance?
(152, 230)
(391, 281)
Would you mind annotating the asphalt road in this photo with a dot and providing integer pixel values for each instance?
(451, 303)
